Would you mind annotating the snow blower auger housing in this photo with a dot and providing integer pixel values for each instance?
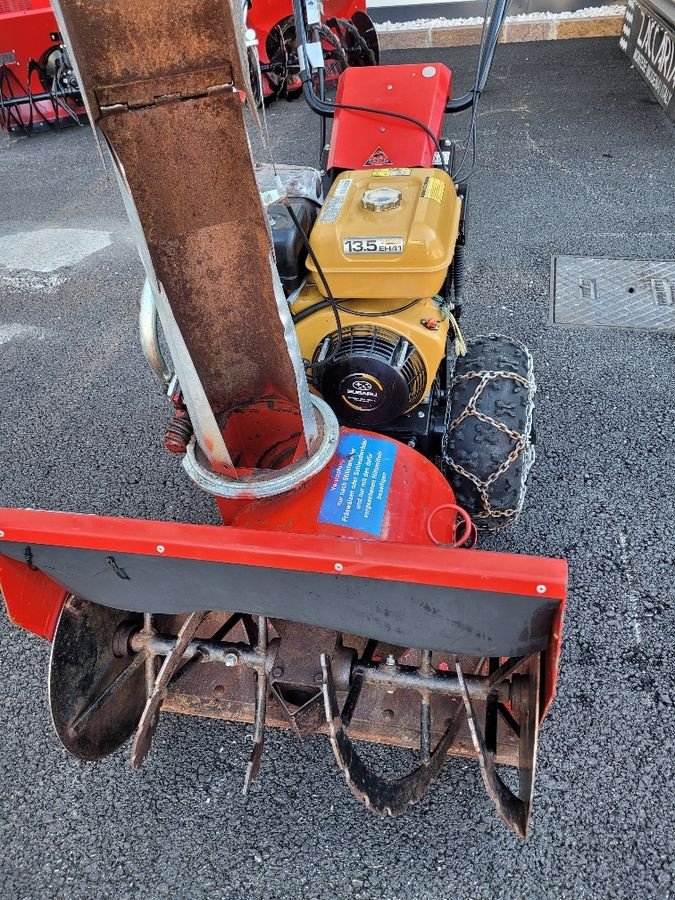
(353, 441)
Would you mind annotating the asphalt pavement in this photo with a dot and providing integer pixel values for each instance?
(575, 157)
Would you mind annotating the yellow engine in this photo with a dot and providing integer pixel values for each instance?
(384, 241)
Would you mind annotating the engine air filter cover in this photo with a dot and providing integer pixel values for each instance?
(375, 377)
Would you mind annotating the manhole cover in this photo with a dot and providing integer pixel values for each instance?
(613, 293)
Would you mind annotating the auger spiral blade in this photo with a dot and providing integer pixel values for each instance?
(150, 716)
(514, 810)
(378, 794)
(262, 687)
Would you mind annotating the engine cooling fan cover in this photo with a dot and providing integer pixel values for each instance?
(374, 375)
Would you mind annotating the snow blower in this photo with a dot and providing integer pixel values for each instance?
(323, 393)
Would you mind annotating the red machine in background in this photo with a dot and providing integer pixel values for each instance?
(38, 87)
(347, 34)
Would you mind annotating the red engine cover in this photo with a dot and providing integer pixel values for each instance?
(360, 140)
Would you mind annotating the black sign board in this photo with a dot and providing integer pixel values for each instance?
(648, 39)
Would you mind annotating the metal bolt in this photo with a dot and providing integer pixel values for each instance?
(390, 660)
(2, 534)
(318, 678)
(388, 714)
(160, 548)
(420, 414)
(277, 671)
(338, 567)
(231, 659)
(541, 588)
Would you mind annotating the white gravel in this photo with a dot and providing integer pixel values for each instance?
(588, 12)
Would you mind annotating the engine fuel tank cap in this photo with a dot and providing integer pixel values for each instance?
(381, 198)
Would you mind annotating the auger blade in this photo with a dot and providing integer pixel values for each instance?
(262, 686)
(150, 716)
(380, 795)
(514, 810)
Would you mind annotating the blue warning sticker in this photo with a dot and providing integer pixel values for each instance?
(356, 496)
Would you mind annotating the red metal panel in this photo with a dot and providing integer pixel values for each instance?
(472, 569)
(33, 600)
(361, 139)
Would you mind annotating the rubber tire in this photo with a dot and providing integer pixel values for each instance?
(479, 447)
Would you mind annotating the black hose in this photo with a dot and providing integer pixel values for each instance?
(310, 310)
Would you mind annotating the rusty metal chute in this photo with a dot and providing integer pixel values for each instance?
(201, 224)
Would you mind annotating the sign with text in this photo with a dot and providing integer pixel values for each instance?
(356, 496)
(648, 39)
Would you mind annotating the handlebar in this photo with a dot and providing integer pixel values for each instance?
(459, 104)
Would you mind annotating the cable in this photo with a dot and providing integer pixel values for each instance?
(331, 299)
(471, 136)
(377, 315)
(322, 304)
(328, 109)
(487, 46)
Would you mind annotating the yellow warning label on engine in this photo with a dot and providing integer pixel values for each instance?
(383, 173)
(433, 189)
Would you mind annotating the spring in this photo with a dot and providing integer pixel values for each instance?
(458, 268)
(179, 432)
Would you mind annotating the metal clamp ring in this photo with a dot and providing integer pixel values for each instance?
(286, 480)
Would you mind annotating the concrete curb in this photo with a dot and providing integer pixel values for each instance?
(514, 32)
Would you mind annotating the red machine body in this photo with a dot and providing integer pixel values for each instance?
(361, 140)
(28, 30)
(320, 528)
(342, 592)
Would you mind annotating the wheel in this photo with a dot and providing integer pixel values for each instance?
(488, 444)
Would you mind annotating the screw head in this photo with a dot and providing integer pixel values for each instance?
(2, 534)
(161, 548)
(420, 415)
(541, 588)
(218, 690)
(338, 567)
(277, 671)
(390, 660)
(231, 659)
(318, 678)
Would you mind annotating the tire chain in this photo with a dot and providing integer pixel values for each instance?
(523, 445)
